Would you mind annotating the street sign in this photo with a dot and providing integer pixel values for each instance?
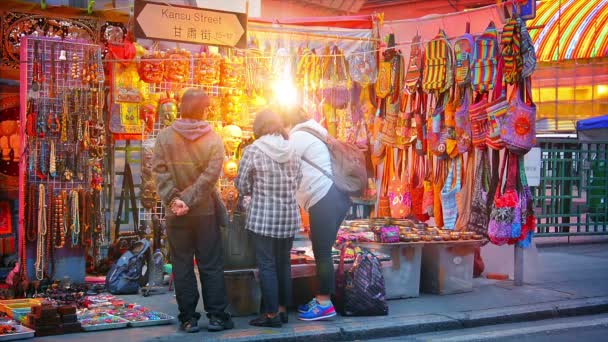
(527, 9)
(190, 25)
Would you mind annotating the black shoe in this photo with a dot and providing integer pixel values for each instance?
(265, 321)
(217, 323)
(190, 326)
(284, 317)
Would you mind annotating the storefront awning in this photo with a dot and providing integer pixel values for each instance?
(570, 29)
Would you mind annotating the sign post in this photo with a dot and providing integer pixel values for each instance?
(192, 25)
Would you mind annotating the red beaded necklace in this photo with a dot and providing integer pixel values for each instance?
(31, 224)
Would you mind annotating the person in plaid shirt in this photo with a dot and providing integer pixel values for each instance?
(270, 172)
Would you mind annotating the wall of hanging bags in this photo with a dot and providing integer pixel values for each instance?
(457, 117)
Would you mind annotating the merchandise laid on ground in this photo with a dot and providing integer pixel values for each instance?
(43, 316)
(443, 122)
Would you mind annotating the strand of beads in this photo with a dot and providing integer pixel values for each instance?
(39, 265)
(74, 212)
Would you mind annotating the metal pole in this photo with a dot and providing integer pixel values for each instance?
(519, 266)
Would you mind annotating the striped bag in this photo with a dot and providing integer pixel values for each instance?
(479, 121)
(448, 194)
(438, 75)
(510, 48)
(413, 74)
(486, 57)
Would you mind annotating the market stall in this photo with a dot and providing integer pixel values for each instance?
(444, 120)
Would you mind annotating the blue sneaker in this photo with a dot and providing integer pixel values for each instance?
(318, 312)
(305, 307)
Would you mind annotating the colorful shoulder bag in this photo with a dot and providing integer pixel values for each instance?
(463, 123)
(527, 212)
(421, 141)
(506, 207)
(518, 125)
(440, 171)
(463, 51)
(486, 56)
(438, 65)
(478, 221)
(448, 194)
(413, 74)
(464, 197)
(418, 190)
(510, 48)
(438, 134)
(479, 121)
(496, 109)
(399, 190)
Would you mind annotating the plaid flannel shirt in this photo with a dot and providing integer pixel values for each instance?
(273, 210)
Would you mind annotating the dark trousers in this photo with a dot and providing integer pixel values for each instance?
(197, 236)
(326, 216)
(273, 256)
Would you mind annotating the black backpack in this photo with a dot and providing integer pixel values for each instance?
(364, 291)
(125, 276)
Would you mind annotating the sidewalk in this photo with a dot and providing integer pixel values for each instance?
(571, 281)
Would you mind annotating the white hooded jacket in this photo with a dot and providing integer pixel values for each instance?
(314, 185)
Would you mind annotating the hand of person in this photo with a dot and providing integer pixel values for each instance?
(179, 207)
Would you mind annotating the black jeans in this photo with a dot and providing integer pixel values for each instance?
(197, 236)
(326, 216)
(273, 256)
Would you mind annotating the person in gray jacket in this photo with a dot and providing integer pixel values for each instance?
(187, 161)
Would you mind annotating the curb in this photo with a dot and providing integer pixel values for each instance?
(350, 329)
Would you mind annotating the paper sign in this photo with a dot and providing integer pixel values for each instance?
(532, 164)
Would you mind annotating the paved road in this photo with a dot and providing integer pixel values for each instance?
(582, 328)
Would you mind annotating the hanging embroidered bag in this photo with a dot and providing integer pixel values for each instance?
(496, 110)
(438, 75)
(413, 74)
(383, 85)
(510, 48)
(463, 123)
(464, 197)
(479, 121)
(404, 132)
(518, 125)
(428, 200)
(438, 134)
(527, 218)
(384, 202)
(420, 145)
(486, 56)
(505, 209)
(448, 194)
(527, 50)
(418, 191)
(450, 127)
(463, 51)
(438, 184)
(399, 190)
(362, 66)
(478, 221)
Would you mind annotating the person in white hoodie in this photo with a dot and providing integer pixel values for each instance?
(326, 205)
(270, 172)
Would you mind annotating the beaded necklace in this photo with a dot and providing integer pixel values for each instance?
(39, 265)
(42, 161)
(53, 161)
(32, 225)
(60, 226)
(64, 117)
(50, 257)
(75, 215)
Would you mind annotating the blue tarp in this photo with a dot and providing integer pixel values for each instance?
(592, 123)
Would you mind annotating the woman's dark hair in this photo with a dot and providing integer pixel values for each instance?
(268, 122)
(294, 116)
(194, 104)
